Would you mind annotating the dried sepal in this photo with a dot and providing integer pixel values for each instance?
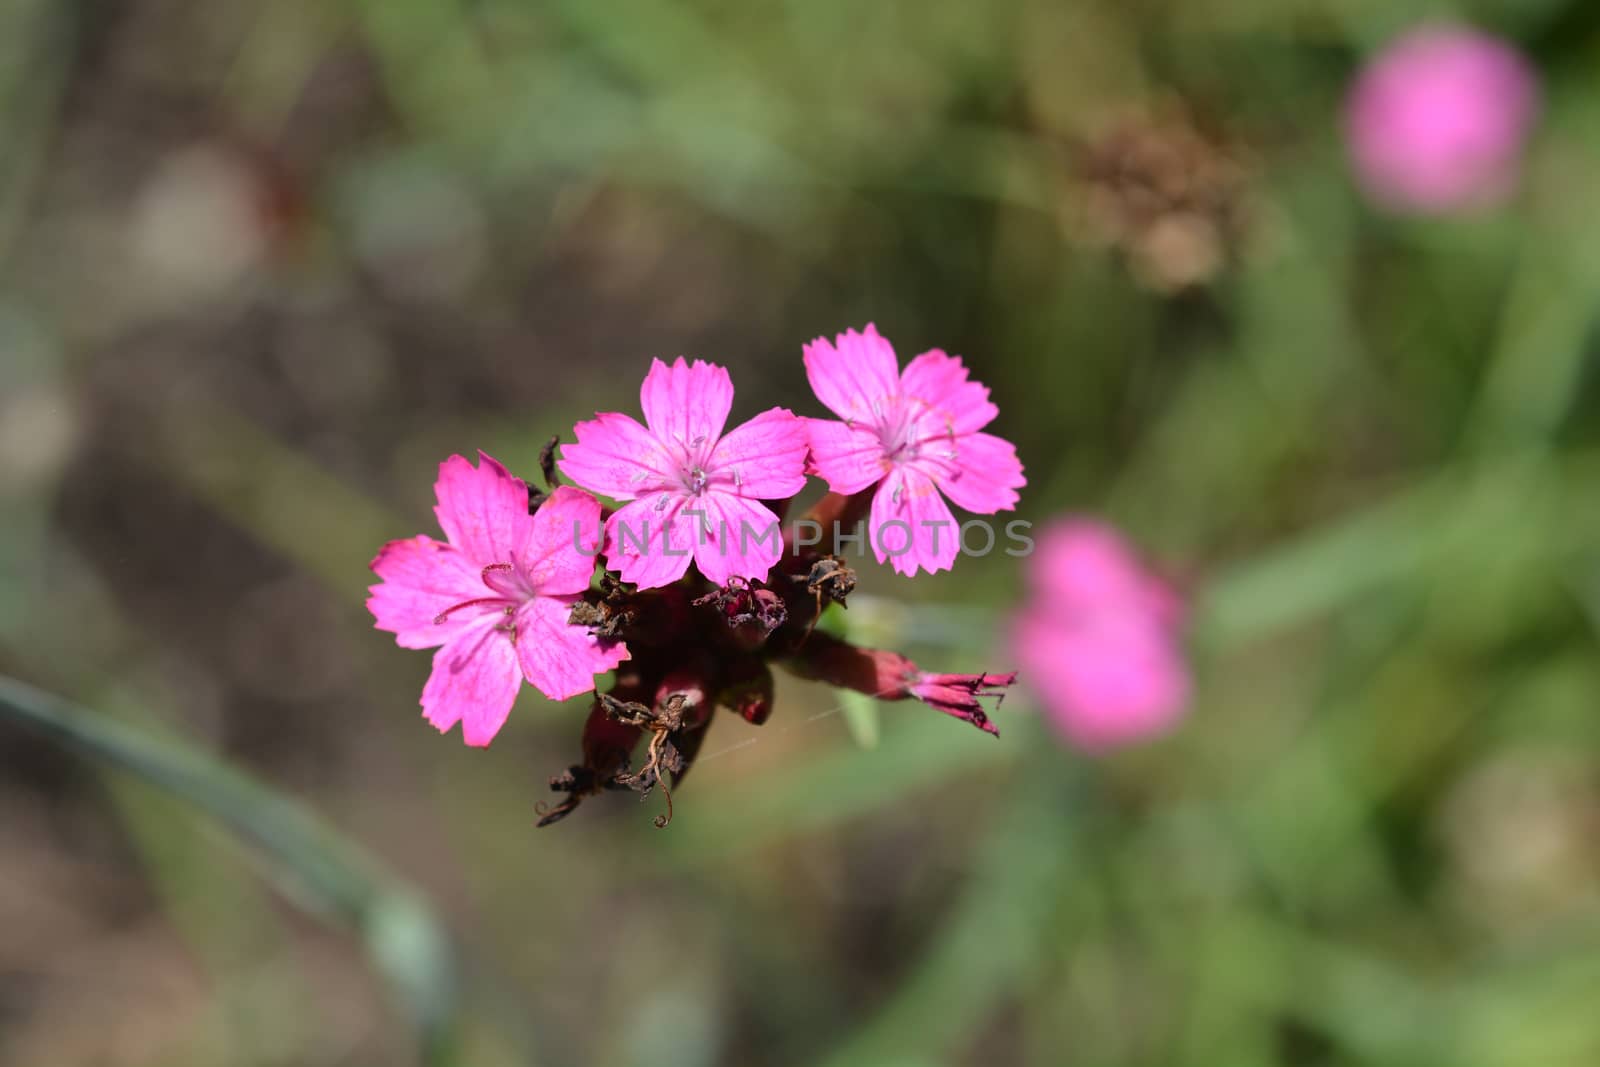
(831, 579)
(745, 604)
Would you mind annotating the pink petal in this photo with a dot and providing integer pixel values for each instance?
(617, 457)
(667, 538)
(739, 538)
(956, 405)
(483, 510)
(768, 453)
(474, 682)
(422, 578)
(849, 457)
(558, 659)
(984, 475)
(565, 525)
(1114, 680)
(687, 403)
(856, 376)
(908, 505)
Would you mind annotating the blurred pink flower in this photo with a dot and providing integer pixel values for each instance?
(494, 598)
(1437, 122)
(1099, 640)
(695, 491)
(915, 435)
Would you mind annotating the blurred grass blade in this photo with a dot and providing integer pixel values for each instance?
(861, 716)
(1315, 574)
(995, 936)
(329, 873)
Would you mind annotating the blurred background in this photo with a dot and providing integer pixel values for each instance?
(266, 264)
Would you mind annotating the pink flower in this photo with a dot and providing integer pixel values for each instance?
(495, 598)
(1099, 641)
(913, 434)
(1437, 122)
(695, 491)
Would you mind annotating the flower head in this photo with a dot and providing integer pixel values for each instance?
(507, 596)
(1437, 122)
(494, 597)
(915, 435)
(1099, 639)
(695, 492)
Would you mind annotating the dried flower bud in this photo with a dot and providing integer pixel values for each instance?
(891, 676)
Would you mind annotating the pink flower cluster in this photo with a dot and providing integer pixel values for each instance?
(695, 567)
(1100, 638)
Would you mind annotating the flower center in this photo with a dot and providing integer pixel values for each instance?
(693, 457)
(511, 590)
(912, 429)
(897, 431)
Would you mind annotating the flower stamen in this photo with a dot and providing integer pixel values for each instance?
(438, 620)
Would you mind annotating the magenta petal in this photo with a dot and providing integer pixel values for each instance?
(558, 659)
(955, 404)
(474, 682)
(649, 544)
(565, 526)
(483, 510)
(765, 458)
(984, 475)
(740, 538)
(850, 458)
(686, 403)
(421, 579)
(910, 525)
(617, 457)
(856, 376)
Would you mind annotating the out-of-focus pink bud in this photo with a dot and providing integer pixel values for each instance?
(1099, 639)
(1437, 122)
